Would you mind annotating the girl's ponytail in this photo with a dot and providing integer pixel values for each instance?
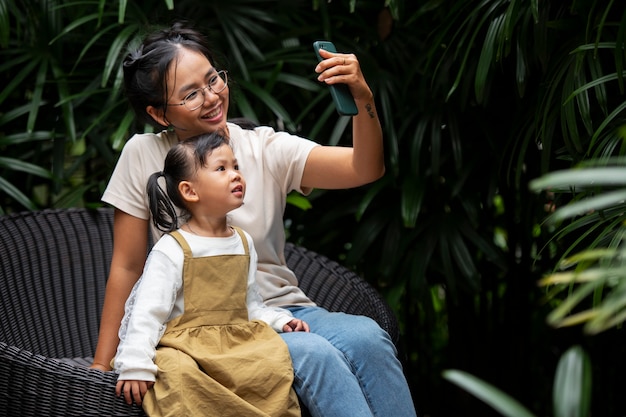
(163, 212)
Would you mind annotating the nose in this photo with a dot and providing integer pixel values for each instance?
(206, 90)
(237, 178)
(235, 175)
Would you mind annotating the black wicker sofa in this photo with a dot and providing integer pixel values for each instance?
(53, 270)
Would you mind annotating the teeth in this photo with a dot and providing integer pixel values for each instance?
(213, 113)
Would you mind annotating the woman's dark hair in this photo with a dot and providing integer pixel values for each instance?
(183, 160)
(146, 68)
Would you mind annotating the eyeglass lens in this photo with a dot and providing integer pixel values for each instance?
(217, 84)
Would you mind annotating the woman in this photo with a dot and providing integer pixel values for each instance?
(346, 365)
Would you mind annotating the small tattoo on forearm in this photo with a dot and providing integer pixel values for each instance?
(370, 111)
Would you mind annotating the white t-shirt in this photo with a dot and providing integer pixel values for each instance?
(272, 164)
(158, 297)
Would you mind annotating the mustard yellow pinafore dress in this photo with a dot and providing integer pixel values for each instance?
(213, 361)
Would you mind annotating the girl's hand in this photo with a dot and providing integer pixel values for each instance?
(296, 325)
(133, 390)
(343, 68)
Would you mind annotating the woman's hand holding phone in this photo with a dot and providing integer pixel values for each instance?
(344, 102)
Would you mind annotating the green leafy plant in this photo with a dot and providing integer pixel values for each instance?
(591, 281)
(477, 99)
(53, 58)
(571, 394)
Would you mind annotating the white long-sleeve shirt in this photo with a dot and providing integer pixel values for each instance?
(158, 297)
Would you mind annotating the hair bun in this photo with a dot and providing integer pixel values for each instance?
(133, 57)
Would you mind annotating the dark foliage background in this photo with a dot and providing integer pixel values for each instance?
(477, 98)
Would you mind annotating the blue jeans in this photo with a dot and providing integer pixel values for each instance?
(347, 366)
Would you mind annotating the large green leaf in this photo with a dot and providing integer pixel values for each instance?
(572, 384)
(17, 165)
(498, 400)
(16, 194)
(580, 179)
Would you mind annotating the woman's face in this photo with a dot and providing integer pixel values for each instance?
(190, 72)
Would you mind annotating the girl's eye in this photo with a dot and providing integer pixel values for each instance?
(221, 168)
(236, 167)
(213, 80)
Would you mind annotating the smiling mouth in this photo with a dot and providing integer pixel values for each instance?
(239, 188)
(213, 114)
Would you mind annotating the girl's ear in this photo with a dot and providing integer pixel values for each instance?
(158, 115)
(187, 192)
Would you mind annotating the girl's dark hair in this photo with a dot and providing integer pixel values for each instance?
(146, 68)
(181, 163)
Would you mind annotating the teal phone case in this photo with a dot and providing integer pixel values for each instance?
(344, 102)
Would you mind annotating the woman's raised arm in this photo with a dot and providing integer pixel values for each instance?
(335, 167)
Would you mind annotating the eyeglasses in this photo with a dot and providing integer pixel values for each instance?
(195, 99)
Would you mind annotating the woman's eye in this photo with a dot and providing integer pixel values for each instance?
(191, 95)
(213, 80)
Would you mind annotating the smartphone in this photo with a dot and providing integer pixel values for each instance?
(344, 102)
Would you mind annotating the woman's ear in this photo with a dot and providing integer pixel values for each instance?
(158, 115)
(187, 192)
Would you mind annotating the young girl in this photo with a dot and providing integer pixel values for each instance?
(347, 364)
(187, 323)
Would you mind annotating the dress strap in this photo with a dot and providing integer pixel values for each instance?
(243, 239)
(182, 242)
(187, 250)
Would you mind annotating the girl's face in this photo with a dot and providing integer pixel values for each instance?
(218, 187)
(190, 72)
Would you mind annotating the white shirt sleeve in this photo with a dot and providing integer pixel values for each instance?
(148, 309)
